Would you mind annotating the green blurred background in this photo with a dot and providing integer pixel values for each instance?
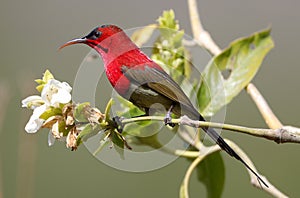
(31, 32)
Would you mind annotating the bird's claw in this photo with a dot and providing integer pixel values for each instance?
(118, 123)
(168, 119)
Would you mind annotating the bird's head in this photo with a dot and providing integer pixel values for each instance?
(111, 42)
(100, 38)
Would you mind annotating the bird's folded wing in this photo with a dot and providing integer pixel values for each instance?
(157, 80)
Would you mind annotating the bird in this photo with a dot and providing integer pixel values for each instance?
(138, 79)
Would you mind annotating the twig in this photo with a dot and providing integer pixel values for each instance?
(205, 151)
(189, 43)
(272, 190)
(201, 36)
(185, 183)
(204, 39)
(270, 118)
(183, 153)
(283, 135)
(186, 136)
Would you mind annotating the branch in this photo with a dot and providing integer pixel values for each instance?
(184, 189)
(204, 39)
(201, 36)
(205, 151)
(265, 110)
(281, 135)
(284, 134)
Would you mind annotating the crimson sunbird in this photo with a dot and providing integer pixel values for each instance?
(143, 82)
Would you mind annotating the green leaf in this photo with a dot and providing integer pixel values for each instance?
(151, 141)
(229, 72)
(139, 129)
(103, 142)
(128, 109)
(50, 112)
(79, 112)
(169, 51)
(62, 128)
(142, 129)
(107, 110)
(118, 141)
(211, 172)
(167, 20)
(187, 64)
(40, 87)
(89, 130)
(39, 81)
(47, 76)
(141, 36)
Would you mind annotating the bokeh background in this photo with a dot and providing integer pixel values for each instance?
(31, 32)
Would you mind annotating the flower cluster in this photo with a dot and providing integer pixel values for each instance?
(54, 109)
(169, 51)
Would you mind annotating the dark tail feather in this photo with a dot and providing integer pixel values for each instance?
(220, 141)
(194, 114)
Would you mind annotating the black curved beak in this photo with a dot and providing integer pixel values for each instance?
(72, 42)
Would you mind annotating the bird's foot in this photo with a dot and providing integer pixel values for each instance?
(168, 118)
(118, 123)
(168, 121)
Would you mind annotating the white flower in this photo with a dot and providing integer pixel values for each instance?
(52, 138)
(32, 102)
(55, 92)
(35, 123)
(55, 131)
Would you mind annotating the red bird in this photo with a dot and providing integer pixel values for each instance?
(140, 80)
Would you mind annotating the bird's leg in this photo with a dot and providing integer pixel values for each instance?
(118, 123)
(168, 119)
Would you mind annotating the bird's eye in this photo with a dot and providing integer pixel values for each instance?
(97, 34)
(93, 35)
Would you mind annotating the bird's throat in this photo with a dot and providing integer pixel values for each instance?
(100, 47)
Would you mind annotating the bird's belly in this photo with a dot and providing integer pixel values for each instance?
(145, 98)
